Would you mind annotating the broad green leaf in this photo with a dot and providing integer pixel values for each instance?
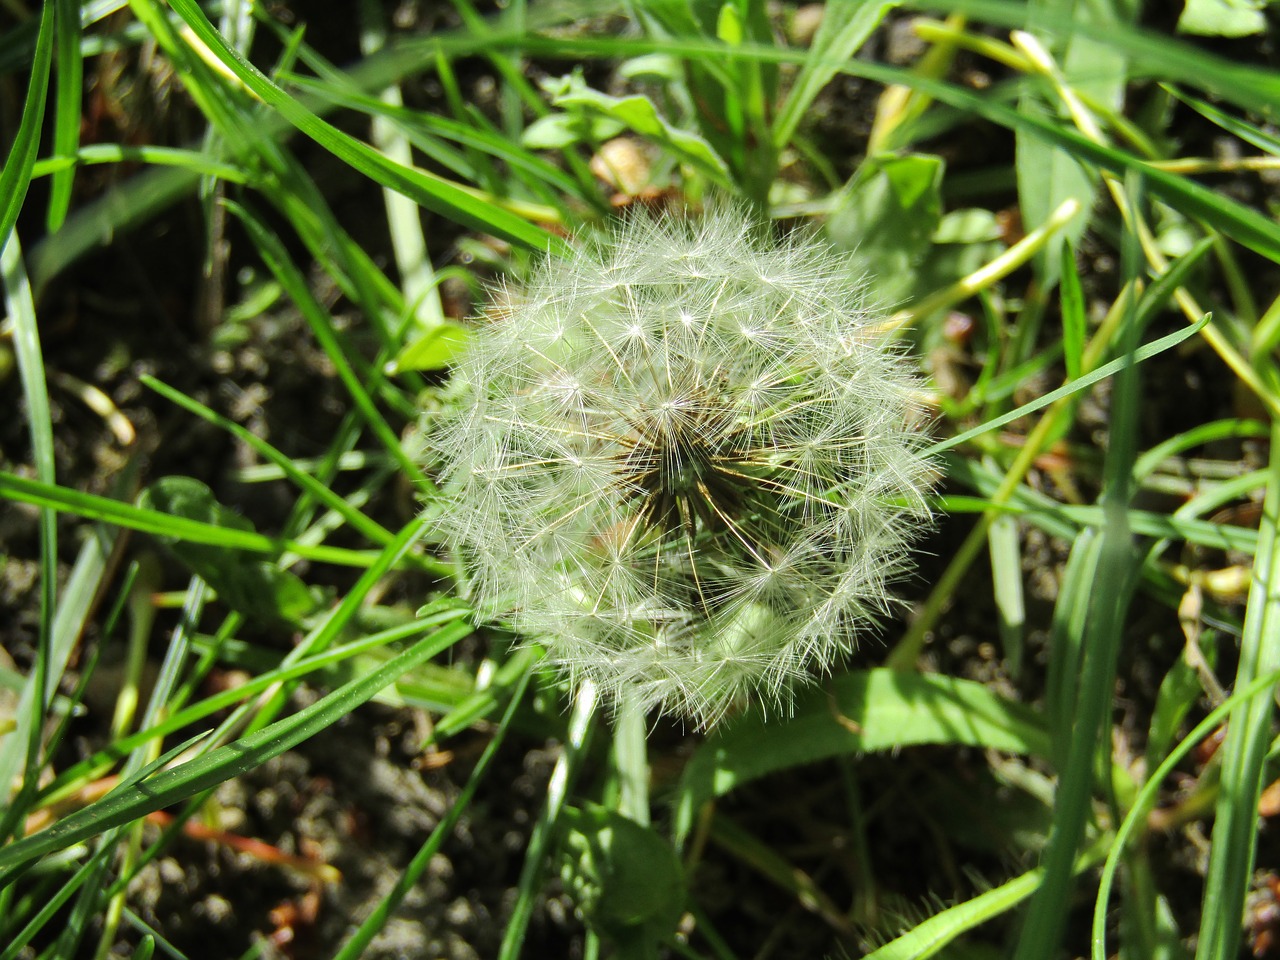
(624, 878)
(559, 130)
(887, 216)
(259, 589)
(1223, 18)
(438, 347)
(878, 709)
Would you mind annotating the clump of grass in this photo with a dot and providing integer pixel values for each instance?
(687, 461)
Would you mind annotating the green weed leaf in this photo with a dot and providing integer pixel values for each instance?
(625, 878)
(257, 588)
(888, 215)
(867, 710)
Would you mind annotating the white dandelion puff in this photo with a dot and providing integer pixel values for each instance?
(686, 462)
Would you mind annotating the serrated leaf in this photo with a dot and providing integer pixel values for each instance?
(637, 113)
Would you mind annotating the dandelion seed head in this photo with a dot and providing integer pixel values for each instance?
(686, 463)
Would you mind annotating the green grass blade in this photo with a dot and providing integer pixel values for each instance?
(289, 469)
(93, 507)
(1152, 52)
(193, 161)
(581, 725)
(925, 939)
(435, 193)
(45, 673)
(16, 175)
(1074, 324)
(295, 285)
(355, 947)
(1149, 794)
(1101, 373)
(224, 699)
(846, 25)
(1242, 223)
(66, 122)
(1245, 750)
(1106, 597)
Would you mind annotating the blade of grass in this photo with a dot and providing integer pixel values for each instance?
(289, 469)
(73, 612)
(1244, 224)
(93, 507)
(96, 153)
(95, 765)
(417, 279)
(16, 175)
(50, 656)
(1244, 753)
(932, 935)
(1100, 638)
(1144, 352)
(66, 115)
(1147, 796)
(355, 946)
(566, 770)
(344, 360)
(435, 193)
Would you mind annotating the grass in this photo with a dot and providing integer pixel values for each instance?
(1018, 771)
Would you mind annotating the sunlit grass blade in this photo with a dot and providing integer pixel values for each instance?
(1083, 708)
(434, 193)
(289, 469)
(16, 175)
(344, 360)
(50, 656)
(1152, 52)
(66, 125)
(1144, 352)
(568, 766)
(93, 507)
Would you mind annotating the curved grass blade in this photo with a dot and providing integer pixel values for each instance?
(354, 948)
(1244, 752)
(66, 121)
(93, 507)
(1101, 373)
(435, 193)
(16, 175)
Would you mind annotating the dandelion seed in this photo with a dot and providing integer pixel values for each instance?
(686, 463)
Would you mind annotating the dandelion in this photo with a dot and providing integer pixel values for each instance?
(686, 462)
